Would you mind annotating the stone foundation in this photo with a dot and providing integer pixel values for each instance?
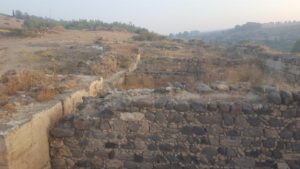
(152, 130)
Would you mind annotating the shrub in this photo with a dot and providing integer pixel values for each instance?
(147, 36)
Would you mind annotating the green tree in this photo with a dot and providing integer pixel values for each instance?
(296, 48)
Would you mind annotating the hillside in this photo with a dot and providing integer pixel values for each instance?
(8, 22)
(279, 36)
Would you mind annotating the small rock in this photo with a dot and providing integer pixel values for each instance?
(209, 151)
(203, 88)
(187, 130)
(274, 122)
(138, 158)
(160, 102)
(222, 86)
(182, 107)
(165, 147)
(58, 163)
(114, 164)
(286, 134)
(296, 96)
(130, 165)
(296, 134)
(247, 108)
(198, 106)
(264, 88)
(81, 123)
(282, 165)
(98, 162)
(245, 162)
(60, 132)
(253, 121)
(132, 116)
(111, 145)
(140, 144)
(228, 119)
(133, 127)
(274, 97)
(212, 106)
(287, 97)
(224, 106)
(152, 147)
(106, 114)
(170, 104)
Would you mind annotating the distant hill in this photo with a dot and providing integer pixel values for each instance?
(23, 24)
(278, 35)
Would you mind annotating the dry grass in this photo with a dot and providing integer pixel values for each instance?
(46, 94)
(106, 66)
(70, 84)
(25, 80)
(245, 73)
(7, 22)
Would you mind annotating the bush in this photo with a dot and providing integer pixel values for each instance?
(147, 36)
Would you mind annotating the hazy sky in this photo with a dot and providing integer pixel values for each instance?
(163, 16)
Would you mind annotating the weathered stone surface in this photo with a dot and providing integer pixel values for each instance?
(222, 86)
(58, 163)
(114, 164)
(282, 165)
(142, 101)
(133, 127)
(228, 119)
(166, 147)
(81, 123)
(296, 134)
(60, 132)
(296, 96)
(286, 134)
(253, 121)
(111, 145)
(209, 151)
(132, 116)
(203, 88)
(253, 132)
(274, 122)
(182, 106)
(224, 107)
(175, 117)
(287, 97)
(198, 106)
(170, 104)
(106, 114)
(212, 106)
(265, 88)
(247, 108)
(233, 133)
(245, 162)
(160, 102)
(274, 97)
(269, 143)
(192, 135)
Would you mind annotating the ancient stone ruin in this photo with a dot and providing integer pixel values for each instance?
(171, 128)
(206, 111)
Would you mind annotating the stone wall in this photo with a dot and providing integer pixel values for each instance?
(160, 132)
(24, 140)
(285, 66)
